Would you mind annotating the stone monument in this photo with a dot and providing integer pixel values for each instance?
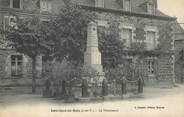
(92, 56)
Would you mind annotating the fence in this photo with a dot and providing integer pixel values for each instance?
(62, 89)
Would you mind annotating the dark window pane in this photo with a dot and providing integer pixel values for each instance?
(19, 63)
(38, 3)
(16, 65)
(16, 3)
(13, 63)
(19, 58)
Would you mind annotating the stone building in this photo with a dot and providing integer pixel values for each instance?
(179, 52)
(131, 15)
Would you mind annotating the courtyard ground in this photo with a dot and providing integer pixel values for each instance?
(154, 102)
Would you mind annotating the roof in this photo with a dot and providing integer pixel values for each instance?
(114, 6)
(136, 7)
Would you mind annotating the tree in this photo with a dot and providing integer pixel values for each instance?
(110, 45)
(30, 37)
(70, 30)
(165, 36)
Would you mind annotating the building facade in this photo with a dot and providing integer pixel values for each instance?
(132, 15)
(179, 52)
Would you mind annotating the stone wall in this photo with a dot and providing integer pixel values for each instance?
(179, 70)
(165, 63)
(164, 50)
(33, 5)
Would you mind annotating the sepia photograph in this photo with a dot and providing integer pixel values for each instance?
(91, 58)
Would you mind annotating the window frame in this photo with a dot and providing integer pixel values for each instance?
(45, 6)
(128, 41)
(7, 21)
(12, 4)
(151, 63)
(153, 42)
(125, 5)
(149, 28)
(18, 69)
(102, 3)
(127, 26)
(151, 8)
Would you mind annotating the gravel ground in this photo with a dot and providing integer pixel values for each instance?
(154, 102)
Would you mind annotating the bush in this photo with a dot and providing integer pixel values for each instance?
(73, 75)
(124, 71)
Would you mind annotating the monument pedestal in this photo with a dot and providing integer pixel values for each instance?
(92, 56)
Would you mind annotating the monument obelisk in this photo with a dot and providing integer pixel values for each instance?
(92, 56)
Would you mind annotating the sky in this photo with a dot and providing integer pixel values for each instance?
(173, 8)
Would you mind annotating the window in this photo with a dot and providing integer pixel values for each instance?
(6, 21)
(151, 66)
(151, 40)
(9, 21)
(99, 3)
(45, 5)
(16, 65)
(127, 5)
(102, 23)
(150, 8)
(126, 35)
(16, 3)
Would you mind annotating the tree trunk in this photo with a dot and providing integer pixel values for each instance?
(34, 75)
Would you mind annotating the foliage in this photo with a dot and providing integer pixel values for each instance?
(110, 45)
(65, 70)
(165, 37)
(59, 71)
(72, 74)
(70, 32)
(30, 37)
(125, 71)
